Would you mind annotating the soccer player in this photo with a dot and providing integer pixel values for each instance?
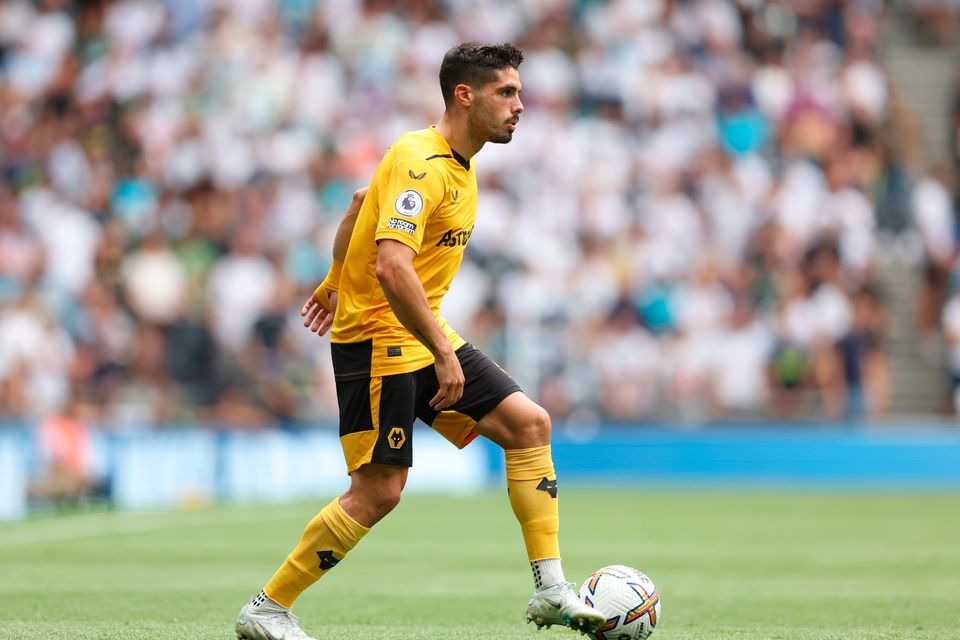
(395, 358)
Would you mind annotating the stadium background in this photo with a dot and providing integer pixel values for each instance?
(721, 250)
(722, 227)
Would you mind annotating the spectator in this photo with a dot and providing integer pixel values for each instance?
(154, 281)
(951, 330)
(936, 20)
(740, 380)
(35, 357)
(241, 286)
(935, 219)
(66, 472)
(865, 367)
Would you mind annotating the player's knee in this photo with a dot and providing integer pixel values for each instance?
(542, 425)
(386, 500)
(528, 429)
(369, 505)
(374, 492)
(537, 427)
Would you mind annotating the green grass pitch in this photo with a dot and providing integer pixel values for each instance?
(729, 565)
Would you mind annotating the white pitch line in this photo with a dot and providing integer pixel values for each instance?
(67, 530)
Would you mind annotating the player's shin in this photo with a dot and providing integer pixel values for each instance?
(532, 486)
(326, 540)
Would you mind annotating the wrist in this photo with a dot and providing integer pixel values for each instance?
(445, 351)
(330, 284)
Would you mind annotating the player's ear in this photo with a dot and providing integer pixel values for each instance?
(463, 95)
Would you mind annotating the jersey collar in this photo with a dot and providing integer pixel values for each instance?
(463, 162)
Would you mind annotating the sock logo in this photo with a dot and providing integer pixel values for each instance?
(327, 559)
(396, 438)
(550, 486)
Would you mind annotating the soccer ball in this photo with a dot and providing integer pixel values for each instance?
(627, 598)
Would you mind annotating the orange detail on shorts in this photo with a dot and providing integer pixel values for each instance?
(455, 427)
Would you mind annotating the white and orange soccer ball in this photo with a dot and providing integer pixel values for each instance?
(627, 598)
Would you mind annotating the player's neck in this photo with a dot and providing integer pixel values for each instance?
(457, 135)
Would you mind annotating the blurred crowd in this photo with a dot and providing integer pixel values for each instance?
(685, 226)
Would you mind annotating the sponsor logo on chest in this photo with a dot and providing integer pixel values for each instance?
(455, 238)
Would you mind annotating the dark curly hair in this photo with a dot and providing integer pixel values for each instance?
(474, 64)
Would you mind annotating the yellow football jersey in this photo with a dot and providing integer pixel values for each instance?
(424, 195)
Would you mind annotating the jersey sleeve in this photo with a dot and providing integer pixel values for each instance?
(411, 192)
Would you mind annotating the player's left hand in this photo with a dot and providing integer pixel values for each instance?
(450, 379)
(319, 316)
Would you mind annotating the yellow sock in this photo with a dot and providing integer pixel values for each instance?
(532, 485)
(326, 540)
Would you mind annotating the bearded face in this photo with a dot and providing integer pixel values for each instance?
(497, 107)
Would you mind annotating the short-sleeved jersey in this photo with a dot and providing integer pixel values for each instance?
(424, 195)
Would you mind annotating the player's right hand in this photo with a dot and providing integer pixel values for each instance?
(319, 314)
(450, 377)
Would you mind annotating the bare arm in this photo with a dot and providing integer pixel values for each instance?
(344, 232)
(406, 296)
(320, 307)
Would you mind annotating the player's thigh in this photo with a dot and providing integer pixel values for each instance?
(376, 420)
(516, 423)
(486, 386)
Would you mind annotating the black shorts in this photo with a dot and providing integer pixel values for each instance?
(377, 413)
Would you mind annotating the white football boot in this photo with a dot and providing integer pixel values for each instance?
(560, 604)
(268, 621)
